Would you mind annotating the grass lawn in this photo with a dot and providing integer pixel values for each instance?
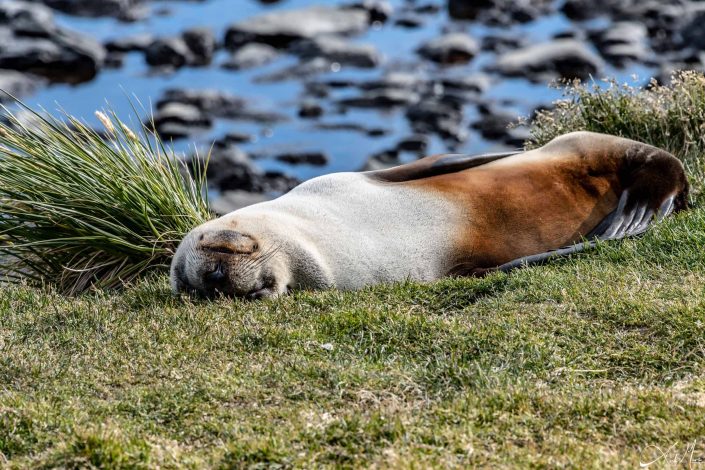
(593, 361)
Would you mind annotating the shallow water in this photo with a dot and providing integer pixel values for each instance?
(347, 150)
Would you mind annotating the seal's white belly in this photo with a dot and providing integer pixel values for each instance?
(367, 232)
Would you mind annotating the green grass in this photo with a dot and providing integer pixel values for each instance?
(593, 361)
(597, 361)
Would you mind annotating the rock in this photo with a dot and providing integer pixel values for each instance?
(499, 43)
(17, 84)
(477, 83)
(409, 20)
(230, 169)
(114, 60)
(623, 42)
(282, 28)
(216, 104)
(468, 10)
(382, 98)
(31, 42)
(234, 137)
(394, 80)
(307, 158)
(304, 69)
(379, 11)
(251, 55)
(201, 43)
(138, 42)
(172, 52)
(415, 143)
(564, 58)
(495, 124)
(438, 116)
(178, 120)
(382, 160)
(353, 127)
(454, 48)
(338, 50)
(230, 201)
(128, 10)
(310, 110)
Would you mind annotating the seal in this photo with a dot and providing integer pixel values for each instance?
(439, 216)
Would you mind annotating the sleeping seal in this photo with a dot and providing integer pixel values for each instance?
(441, 215)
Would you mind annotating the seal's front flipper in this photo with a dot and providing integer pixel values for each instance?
(632, 217)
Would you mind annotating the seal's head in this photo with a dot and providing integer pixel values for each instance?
(213, 259)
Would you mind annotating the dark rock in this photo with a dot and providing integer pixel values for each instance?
(234, 138)
(31, 42)
(138, 42)
(416, 143)
(353, 127)
(501, 43)
(17, 84)
(477, 83)
(379, 11)
(307, 158)
(382, 98)
(310, 110)
(337, 50)
(438, 116)
(623, 42)
(454, 48)
(564, 58)
(178, 120)
(201, 43)
(251, 55)
(281, 28)
(172, 52)
(410, 21)
(114, 60)
(500, 125)
(304, 69)
(468, 10)
(426, 8)
(230, 201)
(127, 10)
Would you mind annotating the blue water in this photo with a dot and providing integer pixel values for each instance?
(348, 150)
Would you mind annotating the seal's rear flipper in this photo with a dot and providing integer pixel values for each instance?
(630, 218)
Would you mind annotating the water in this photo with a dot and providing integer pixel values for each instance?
(348, 150)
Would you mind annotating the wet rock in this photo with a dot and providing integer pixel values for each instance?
(17, 84)
(623, 42)
(415, 143)
(310, 110)
(468, 10)
(234, 137)
(379, 11)
(438, 116)
(201, 43)
(114, 60)
(410, 21)
(338, 50)
(304, 69)
(251, 55)
(381, 98)
(353, 127)
(216, 104)
(477, 83)
(501, 43)
(126, 10)
(31, 42)
(172, 52)
(499, 125)
(178, 120)
(564, 58)
(426, 8)
(138, 42)
(304, 158)
(454, 48)
(230, 201)
(282, 28)
(231, 169)
(581, 10)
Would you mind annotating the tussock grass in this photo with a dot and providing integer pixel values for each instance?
(79, 208)
(670, 117)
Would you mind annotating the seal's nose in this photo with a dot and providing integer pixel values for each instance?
(216, 277)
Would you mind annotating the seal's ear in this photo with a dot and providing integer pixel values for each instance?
(227, 241)
(434, 166)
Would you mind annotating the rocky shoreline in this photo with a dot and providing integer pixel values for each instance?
(441, 92)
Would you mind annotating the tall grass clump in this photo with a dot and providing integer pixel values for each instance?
(671, 117)
(81, 208)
